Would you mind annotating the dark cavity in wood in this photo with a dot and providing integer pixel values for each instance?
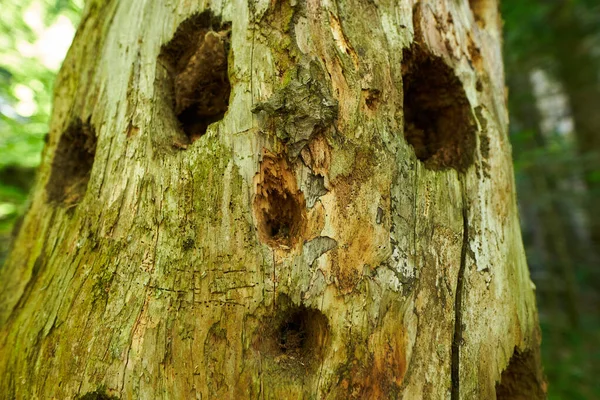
(438, 122)
(279, 205)
(522, 378)
(295, 336)
(197, 61)
(72, 164)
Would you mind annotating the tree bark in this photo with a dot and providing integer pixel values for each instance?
(273, 199)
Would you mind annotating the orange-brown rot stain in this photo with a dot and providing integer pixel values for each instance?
(315, 222)
(351, 215)
(279, 206)
(378, 373)
(390, 355)
(353, 376)
(485, 13)
(346, 277)
(317, 155)
(132, 130)
(502, 199)
(475, 55)
(357, 250)
(389, 361)
(347, 186)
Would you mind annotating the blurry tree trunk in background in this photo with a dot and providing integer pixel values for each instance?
(578, 70)
(551, 222)
(274, 199)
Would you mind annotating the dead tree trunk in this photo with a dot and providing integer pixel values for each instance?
(273, 199)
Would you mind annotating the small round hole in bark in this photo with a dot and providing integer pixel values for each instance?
(279, 206)
(302, 333)
(372, 97)
(197, 58)
(72, 164)
(296, 335)
(438, 121)
(99, 394)
(522, 378)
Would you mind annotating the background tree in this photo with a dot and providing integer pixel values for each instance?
(551, 56)
(275, 200)
(34, 37)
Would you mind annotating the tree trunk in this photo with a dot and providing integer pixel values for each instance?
(277, 200)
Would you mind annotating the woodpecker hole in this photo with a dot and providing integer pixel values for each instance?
(72, 164)
(438, 122)
(196, 59)
(278, 205)
(521, 380)
(296, 335)
(302, 333)
(99, 394)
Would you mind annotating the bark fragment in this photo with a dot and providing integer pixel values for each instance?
(300, 108)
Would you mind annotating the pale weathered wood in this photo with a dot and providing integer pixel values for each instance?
(299, 248)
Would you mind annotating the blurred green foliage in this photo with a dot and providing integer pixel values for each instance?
(530, 32)
(34, 36)
(26, 79)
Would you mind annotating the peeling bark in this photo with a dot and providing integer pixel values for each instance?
(293, 237)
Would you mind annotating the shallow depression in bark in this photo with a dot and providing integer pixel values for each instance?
(302, 332)
(296, 335)
(72, 164)
(438, 121)
(197, 58)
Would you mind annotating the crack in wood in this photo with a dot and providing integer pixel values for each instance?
(458, 325)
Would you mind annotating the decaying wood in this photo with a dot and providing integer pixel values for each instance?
(333, 217)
